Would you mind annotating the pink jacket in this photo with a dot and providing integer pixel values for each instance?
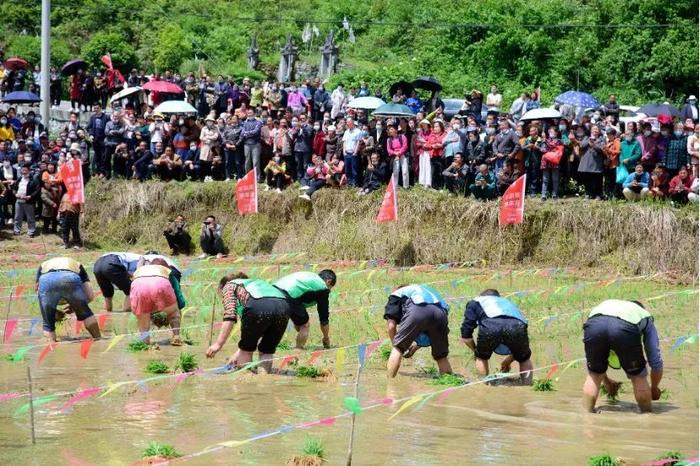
(434, 144)
(296, 99)
(397, 146)
(321, 175)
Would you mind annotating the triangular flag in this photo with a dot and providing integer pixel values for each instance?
(513, 203)
(247, 193)
(112, 387)
(314, 356)
(87, 393)
(115, 339)
(9, 396)
(352, 404)
(19, 354)
(78, 324)
(47, 349)
(389, 210)
(286, 361)
(361, 349)
(19, 290)
(407, 404)
(85, 347)
(37, 402)
(551, 372)
(31, 325)
(101, 320)
(10, 326)
(339, 360)
(372, 347)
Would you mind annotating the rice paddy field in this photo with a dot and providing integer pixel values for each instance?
(106, 402)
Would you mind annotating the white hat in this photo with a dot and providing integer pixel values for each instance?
(331, 128)
(692, 97)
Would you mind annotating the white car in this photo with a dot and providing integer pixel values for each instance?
(629, 113)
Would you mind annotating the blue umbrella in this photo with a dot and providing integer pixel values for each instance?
(21, 97)
(396, 110)
(577, 99)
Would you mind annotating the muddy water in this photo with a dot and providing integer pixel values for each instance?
(476, 424)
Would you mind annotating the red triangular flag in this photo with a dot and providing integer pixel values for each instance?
(389, 211)
(10, 326)
(77, 326)
(101, 320)
(372, 347)
(247, 194)
(19, 290)
(285, 362)
(551, 371)
(314, 356)
(85, 348)
(47, 349)
(107, 60)
(513, 203)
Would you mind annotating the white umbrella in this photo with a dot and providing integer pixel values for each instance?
(541, 114)
(174, 106)
(366, 103)
(126, 92)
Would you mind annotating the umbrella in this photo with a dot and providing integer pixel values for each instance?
(175, 106)
(405, 86)
(653, 110)
(15, 63)
(126, 92)
(577, 99)
(72, 67)
(366, 103)
(428, 83)
(163, 86)
(396, 110)
(21, 97)
(541, 114)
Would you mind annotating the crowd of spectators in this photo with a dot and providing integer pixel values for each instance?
(302, 133)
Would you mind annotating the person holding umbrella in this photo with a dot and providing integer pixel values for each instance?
(75, 85)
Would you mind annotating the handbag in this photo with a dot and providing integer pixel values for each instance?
(621, 174)
(554, 157)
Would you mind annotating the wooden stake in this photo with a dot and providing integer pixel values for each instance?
(352, 422)
(31, 403)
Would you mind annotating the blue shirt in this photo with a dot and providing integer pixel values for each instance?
(421, 294)
(643, 182)
(128, 260)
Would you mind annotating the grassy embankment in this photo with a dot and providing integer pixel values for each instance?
(629, 238)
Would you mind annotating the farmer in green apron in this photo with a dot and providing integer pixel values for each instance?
(618, 334)
(264, 313)
(303, 290)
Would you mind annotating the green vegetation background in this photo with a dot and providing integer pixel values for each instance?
(639, 64)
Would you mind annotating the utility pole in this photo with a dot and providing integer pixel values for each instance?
(45, 61)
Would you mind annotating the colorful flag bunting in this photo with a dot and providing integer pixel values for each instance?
(361, 349)
(339, 360)
(407, 404)
(10, 326)
(47, 349)
(78, 397)
(115, 339)
(85, 346)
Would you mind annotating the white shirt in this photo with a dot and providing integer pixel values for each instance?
(22, 187)
(351, 138)
(494, 100)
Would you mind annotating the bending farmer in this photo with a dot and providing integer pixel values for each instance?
(303, 290)
(152, 291)
(114, 269)
(64, 280)
(613, 335)
(411, 311)
(502, 329)
(264, 313)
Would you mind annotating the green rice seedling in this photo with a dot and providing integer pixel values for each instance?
(314, 447)
(665, 394)
(385, 351)
(671, 455)
(161, 450)
(602, 460)
(187, 362)
(284, 345)
(611, 396)
(186, 337)
(157, 367)
(429, 370)
(159, 319)
(543, 385)
(450, 380)
(135, 346)
(308, 372)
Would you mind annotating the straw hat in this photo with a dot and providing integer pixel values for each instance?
(75, 147)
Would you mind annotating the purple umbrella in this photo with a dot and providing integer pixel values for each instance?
(71, 67)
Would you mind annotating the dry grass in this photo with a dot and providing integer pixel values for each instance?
(630, 238)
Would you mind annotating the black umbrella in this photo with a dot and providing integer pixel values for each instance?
(405, 86)
(21, 97)
(428, 83)
(71, 67)
(653, 110)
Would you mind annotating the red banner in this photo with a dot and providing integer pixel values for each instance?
(107, 60)
(247, 194)
(389, 211)
(72, 175)
(513, 203)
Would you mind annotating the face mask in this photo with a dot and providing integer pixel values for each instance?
(678, 132)
(295, 123)
(181, 121)
(209, 124)
(562, 127)
(317, 127)
(276, 159)
(490, 130)
(552, 135)
(629, 138)
(365, 134)
(664, 133)
(28, 159)
(193, 147)
(647, 133)
(455, 127)
(580, 134)
(37, 119)
(3, 121)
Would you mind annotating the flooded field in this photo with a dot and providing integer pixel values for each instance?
(104, 409)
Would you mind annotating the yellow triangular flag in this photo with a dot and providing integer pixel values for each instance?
(116, 339)
(112, 387)
(407, 405)
(339, 360)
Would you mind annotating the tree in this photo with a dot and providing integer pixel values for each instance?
(171, 49)
(123, 54)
